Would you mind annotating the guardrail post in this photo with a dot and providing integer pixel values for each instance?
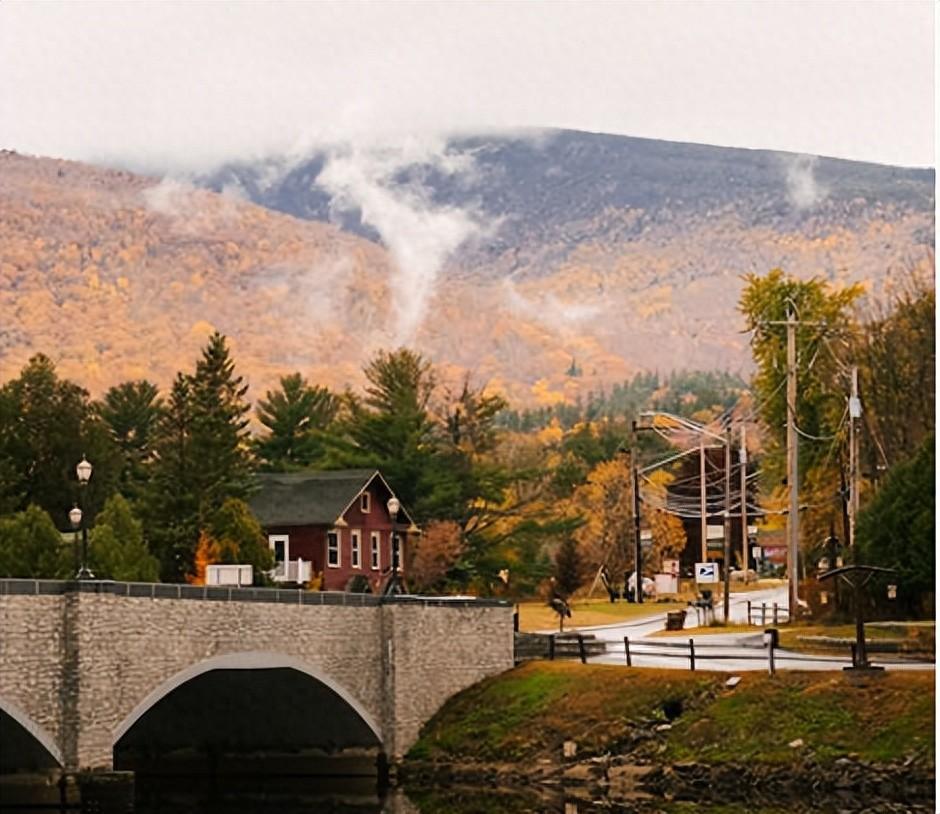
(626, 650)
(551, 647)
(692, 654)
(776, 621)
(749, 611)
(581, 651)
(763, 614)
(771, 664)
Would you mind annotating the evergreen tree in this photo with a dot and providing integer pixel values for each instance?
(392, 430)
(240, 537)
(568, 568)
(171, 503)
(296, 416)
(32, 547)
(897, 529)
(132, 412)
(116, 548)
(219, 441)
(46, 425)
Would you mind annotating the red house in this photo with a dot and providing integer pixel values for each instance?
(336, 524)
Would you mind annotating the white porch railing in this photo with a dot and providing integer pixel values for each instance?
(298, 571)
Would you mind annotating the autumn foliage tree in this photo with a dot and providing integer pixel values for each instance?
(433, 555)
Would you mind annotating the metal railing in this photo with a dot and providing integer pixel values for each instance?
(290, 596)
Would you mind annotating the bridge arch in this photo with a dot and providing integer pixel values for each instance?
(35, 731)
(251, 660)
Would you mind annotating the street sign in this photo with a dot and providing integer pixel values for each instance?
(706, 572)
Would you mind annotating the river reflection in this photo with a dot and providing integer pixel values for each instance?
(342, 795)
(360, 795)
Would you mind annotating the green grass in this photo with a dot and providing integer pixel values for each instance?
(587, 613)
(884, 720)
(527, 713)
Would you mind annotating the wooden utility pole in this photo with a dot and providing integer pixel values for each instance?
(638, 553)
(855, 413)
(727, 525)
(745, 543)
(703, 525)
(793, 468)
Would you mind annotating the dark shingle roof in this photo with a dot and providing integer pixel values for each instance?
(307, 498)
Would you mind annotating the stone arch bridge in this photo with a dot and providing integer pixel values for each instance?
(83, 665)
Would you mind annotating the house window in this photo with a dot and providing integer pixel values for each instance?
(332, 549)
(376, 557)
(280, 545)
(365, 502)
(355, 549)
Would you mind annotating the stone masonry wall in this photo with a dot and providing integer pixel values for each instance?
(31, 646)
(438, 651)
(80, 663)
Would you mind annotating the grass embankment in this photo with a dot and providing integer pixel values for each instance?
(588, 613)
(527, 713)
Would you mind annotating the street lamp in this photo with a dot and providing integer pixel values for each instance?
(393, 506)
(75, 518)
(77, 515)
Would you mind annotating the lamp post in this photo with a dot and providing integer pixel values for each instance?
(75, 518)
(77, 515)
(393, 507)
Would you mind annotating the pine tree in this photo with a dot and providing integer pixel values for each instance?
(132, 412)
(296, 416)
(171, 503)
(568, 567)
(46, 426)
(219, 441)
(116, 547)
(31, 547)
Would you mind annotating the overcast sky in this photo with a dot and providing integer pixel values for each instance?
(183, 85)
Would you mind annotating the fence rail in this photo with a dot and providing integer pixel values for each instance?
(575, 645)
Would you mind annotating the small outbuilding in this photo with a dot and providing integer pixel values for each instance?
(337, 524)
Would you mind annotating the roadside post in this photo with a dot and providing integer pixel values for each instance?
(858, 576)
(772, 641)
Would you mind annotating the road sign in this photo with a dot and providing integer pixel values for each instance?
(706, 572)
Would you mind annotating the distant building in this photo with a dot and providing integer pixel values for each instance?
(332, 523)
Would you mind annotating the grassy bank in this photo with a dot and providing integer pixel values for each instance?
(526, 714)
(588, 613)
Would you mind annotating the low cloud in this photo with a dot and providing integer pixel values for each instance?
(803, 190)
(549, 310)
(420, 234)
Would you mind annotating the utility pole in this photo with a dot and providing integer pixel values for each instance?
(638, 553)
(727, 525)
(745, 543)
(793, 457)
(703, 524)
(855, 413)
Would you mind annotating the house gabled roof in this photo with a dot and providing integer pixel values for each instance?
(310, 498)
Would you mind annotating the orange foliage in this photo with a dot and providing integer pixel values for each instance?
(207, 553)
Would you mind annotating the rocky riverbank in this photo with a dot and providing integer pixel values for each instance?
(646, 740)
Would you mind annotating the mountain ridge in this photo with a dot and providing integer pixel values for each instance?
(500, 257)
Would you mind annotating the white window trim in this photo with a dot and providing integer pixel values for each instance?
(355, 548)
(375, 550)
(339, 549)
(365, 502)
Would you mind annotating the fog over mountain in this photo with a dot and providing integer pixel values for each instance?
(506, 256)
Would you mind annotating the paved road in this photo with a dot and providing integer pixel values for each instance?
(731, 652)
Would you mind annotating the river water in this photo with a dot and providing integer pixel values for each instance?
(298, 795)
(345, 796)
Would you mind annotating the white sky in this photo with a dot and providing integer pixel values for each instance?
(184, 85)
